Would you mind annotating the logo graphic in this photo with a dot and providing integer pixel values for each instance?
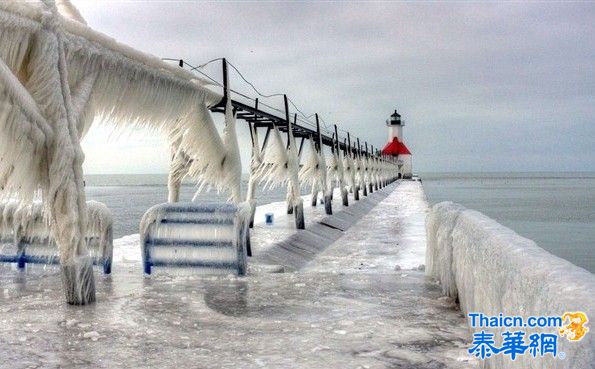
(520, 341)
(575, 330)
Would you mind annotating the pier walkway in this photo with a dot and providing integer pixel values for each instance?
(349, 307)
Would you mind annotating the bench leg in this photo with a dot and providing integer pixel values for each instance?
(147, 267)
(107, 266)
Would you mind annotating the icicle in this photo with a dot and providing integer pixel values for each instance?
(255, 164)
(348, 165)
(308, 174)
(311, 172)
(325, 182)
(274, 168)
(293, 194)
(67, 9)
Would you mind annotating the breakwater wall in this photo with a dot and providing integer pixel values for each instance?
(491, 270)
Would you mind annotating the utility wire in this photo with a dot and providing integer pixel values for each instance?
(197, 69)
(250, 83)
(306, 118)
(193, 68)
(205, 64)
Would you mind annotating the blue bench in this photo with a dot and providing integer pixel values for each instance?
(211, 238)
(25, 235)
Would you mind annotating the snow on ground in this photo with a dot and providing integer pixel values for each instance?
(331, 314)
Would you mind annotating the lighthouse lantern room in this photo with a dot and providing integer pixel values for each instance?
(396, 145)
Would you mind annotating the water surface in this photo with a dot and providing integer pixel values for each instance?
(556, 210)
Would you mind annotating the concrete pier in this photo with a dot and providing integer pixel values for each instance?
(359, 301)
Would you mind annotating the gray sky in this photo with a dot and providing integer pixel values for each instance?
(482, 86)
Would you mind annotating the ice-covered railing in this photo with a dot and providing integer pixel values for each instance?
(56, 77)
(492, 270)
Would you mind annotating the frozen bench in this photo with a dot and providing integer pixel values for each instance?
(25, 235)
(210, 238)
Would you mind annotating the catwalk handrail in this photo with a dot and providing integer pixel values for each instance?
(261, 118)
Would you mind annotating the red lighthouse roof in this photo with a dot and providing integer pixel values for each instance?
(395, 148)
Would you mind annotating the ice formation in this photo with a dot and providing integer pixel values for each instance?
(308, 173)
(335, 171)
(273, 170)
(294, 200)
(56, 76)
(363, 172)
(280, 166)
(314, 172)
(323, 178)
(492, 270)
(29, 223)
(256, 161)
(349, 169)
(169, 237)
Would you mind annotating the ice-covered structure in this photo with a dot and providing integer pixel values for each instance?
(490, 269)
(337, 173)
(280, 166)
(56, 77)
(314, 172)
(25, 235)
(256, 161)
(170, 237)
(222, 170)
(349, 171)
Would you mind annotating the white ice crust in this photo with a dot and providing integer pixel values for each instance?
(493, 270)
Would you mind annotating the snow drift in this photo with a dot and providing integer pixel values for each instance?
(492, 270)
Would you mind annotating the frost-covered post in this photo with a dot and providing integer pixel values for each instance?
(232, 164)
(348, 166)
(64, 191)
(361, 169)
(322, 171)
(255, 163)
(354, 168)
(178, 168)
(369, 170)
(293, 188)
(340, 170)
(374, 160)
(314, 194)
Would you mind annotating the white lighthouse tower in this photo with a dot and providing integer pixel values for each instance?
(396, 145)
(395, 127)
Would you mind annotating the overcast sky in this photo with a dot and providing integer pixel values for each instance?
(482, 86)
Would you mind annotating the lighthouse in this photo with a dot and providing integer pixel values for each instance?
(396, 145)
